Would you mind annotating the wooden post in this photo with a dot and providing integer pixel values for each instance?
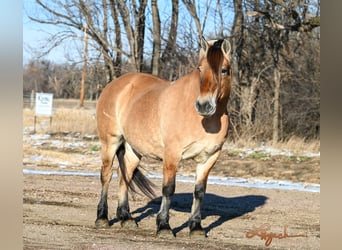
(32, 96)
(34, 128)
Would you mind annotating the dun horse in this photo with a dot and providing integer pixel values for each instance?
(143, 115)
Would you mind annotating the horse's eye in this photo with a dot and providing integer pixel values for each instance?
(225, 71)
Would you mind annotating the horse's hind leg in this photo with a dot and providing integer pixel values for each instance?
(202, 173)
(108, 149)
(128, 162)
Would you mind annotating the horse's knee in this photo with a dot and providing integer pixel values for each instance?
(106, 168)
(106, 176)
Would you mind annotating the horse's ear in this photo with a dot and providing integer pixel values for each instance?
(204, 48)
(226, 48)
(204, 44)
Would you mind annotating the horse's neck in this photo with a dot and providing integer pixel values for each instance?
(189, 83)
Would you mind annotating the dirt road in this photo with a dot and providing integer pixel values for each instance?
(59, 213)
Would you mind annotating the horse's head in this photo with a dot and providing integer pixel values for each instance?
(215, 75)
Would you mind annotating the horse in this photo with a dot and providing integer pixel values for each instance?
(140, 114)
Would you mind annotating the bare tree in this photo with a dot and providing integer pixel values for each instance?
(118, 41)
(275, 53)
(85, 65)
(265, 54)
(135, 31)
(170, 47)
(156, 38)
(191, 7)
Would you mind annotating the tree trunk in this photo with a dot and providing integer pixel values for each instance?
(237, 42)
(251, 100)
(171, 41)
(118, 43)
(237, 39)
(84, 72)
(219, 8)
(191, 7)
(276, 77)
(135, 32)
(156, 38)
(124, 12)
(140, 35)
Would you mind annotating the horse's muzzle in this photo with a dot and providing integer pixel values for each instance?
(205, 107)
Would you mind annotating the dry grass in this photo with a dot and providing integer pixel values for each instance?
(297, 144)
(75, 120)
(64, 120)
(294, 144)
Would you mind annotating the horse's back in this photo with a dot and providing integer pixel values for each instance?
(129, 102)
(135, 82)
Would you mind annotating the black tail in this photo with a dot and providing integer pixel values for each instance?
(139, 180)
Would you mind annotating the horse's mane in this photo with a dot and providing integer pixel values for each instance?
(215, 57)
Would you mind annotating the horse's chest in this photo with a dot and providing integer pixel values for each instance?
(203, 145)
(200, 151)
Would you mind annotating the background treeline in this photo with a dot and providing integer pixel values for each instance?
(276, 54)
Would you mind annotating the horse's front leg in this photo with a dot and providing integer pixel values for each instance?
(202, 173)
(169, 186)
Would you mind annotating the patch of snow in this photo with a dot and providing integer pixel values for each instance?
(228, 181)
(244, 152)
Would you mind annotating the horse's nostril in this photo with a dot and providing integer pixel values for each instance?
(198, 105)
(204, 108)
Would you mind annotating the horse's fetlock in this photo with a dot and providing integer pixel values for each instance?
(195, 225)
(123, 214)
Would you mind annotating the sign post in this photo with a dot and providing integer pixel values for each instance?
(43, 106)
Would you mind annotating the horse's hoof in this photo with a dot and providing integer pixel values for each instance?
(198, 234)
(102, 223)
(129, 224)
(165, 234)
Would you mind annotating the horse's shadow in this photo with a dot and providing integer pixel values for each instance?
(213, 205)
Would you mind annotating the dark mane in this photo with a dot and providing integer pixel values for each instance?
(215, 57)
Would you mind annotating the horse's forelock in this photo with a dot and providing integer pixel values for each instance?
(215, 57)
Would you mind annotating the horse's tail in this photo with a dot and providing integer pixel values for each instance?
(138, 179)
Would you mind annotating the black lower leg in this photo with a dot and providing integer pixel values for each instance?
(102, 208)
(122, 212)
(163, 215)
(195, 218)
(102, 212)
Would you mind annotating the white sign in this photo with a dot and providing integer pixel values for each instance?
(44, 104)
